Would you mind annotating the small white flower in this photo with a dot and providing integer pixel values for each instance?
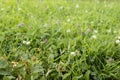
(117, 41)
(68, 31)
(89, 30)
(110, 60)
(68, 20)
(45, 25)
(102, 11)
(86, 11)
(14, 63)
(21, 24)
(101, 21)
(32, 17)
(97, 1)
(59, 29)
(19, 9)
(61, 7)
(2, 9)
(114, 32)
(118, 37)
(92, 22)
(105, 5)
(109, 30)
(94, 36)
(73, 53)
(26, 42)
(77, 6)
(95, 31)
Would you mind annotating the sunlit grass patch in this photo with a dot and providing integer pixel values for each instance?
(59, 40)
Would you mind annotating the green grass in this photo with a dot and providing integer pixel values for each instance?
(59, 40)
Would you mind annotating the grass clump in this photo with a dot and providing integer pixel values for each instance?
(59, 40)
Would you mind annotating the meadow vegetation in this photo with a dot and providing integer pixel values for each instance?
(59, 40)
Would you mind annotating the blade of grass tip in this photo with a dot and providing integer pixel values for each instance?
(100, 61)
(58, 57)
(68, 46)
(115, 66)
(87, 75)
(71, 70)
(114, 75)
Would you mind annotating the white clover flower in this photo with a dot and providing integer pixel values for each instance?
(95, 31)
(102, 11)
(102, 21)
(109, 30)
(26, 42)
(2, 9)
(14, 63)
(94, 36)
(77, 6)
(32, 17)
(21, 24)
(118, 37)
(114, 32)
(61, 7)
(88, 30)
(59, 29)
(97, 1)
(86, 11)
(68, 20)
(110, 60)
(68, 31)
(104, 2)
(19, 9)
(73, 53)
(117, 41)
(45, 25)
(105, 5)
(92, 22)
